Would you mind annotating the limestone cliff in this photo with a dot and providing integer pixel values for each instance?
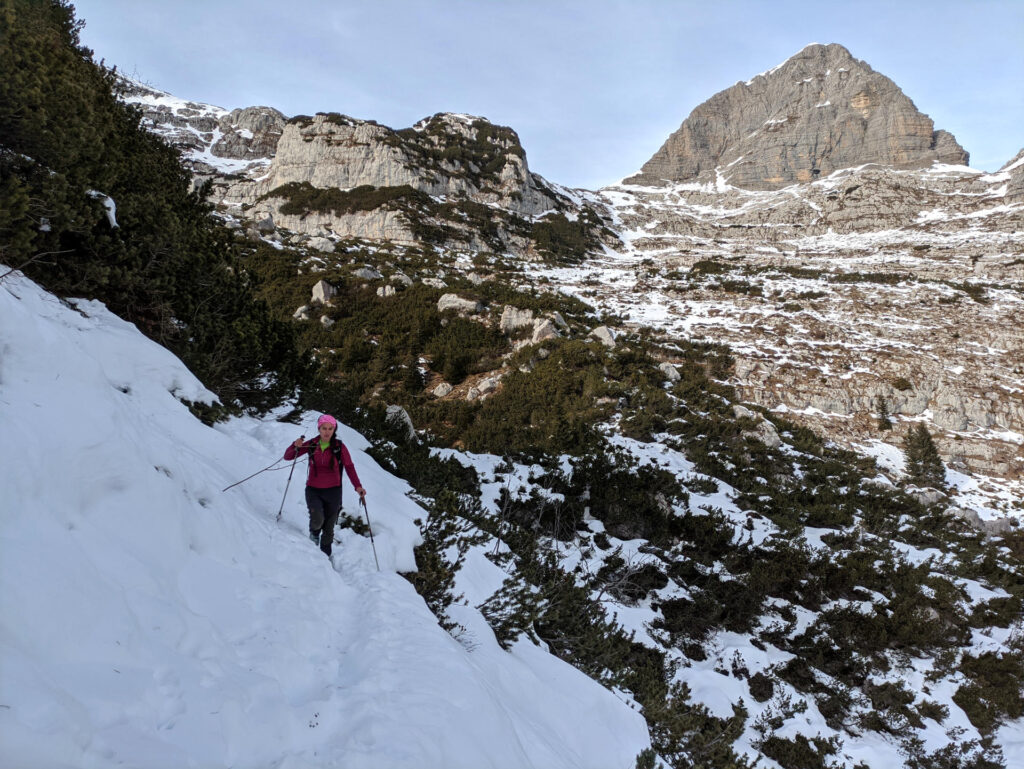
(444, 155)
(450, 179)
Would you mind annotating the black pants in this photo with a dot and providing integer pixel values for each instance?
(324, 507)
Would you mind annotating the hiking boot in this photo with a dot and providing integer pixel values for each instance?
(314, 537)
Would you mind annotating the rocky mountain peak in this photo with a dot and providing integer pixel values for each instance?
(819, 111)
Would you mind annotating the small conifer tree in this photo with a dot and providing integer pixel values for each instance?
(884, 422)
(924, 465)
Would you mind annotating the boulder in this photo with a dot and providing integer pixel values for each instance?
(604, 335)
(434, 283)
(670, 372)
(767, 434)
(994, 526)
(322, 244)
(513, 318)
(386, 291)
(302, 313)
(326, 322)
(397, 415)
(401, 279)
(489, 385)
(367, 273)
(442, 390)
(323, 291)
(927, 496)
(543, 328)
(265, 225)
(459, 304)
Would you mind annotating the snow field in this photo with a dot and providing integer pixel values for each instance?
(147, 618)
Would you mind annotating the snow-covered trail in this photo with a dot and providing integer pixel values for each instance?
(149, 619)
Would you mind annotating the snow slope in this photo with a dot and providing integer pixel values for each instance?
(149, 619)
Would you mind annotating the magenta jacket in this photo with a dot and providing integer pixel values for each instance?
(324, 472)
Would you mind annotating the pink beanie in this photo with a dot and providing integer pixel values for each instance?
(327, 419)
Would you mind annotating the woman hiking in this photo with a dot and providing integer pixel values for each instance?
(326, 454)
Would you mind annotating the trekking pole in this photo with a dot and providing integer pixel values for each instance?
(268, 467)
(279, 511)
(374, 546)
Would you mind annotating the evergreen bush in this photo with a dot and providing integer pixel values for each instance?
(924, 465)
(167, 266)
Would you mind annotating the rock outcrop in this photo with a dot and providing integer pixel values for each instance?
(459, 304)
(251, 133)
(820, 111)
(1014, 172)
(451, 179)
(444, 155)
(214, 141)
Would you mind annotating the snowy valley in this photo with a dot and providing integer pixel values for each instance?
(650, 469)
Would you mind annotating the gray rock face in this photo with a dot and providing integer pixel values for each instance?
(872, 285)
(335, 151)
(243, 139)
(1015, 181)
(820, 111)
(463, 177)
(249, 133)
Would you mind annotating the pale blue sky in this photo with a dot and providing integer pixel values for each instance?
(593, 88)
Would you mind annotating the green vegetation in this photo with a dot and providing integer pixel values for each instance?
(799, 752)
(479, 153)
(168, 266)
(460, 220)
(303, 198)
(924, 465)
(567, 241)
(994, 692)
